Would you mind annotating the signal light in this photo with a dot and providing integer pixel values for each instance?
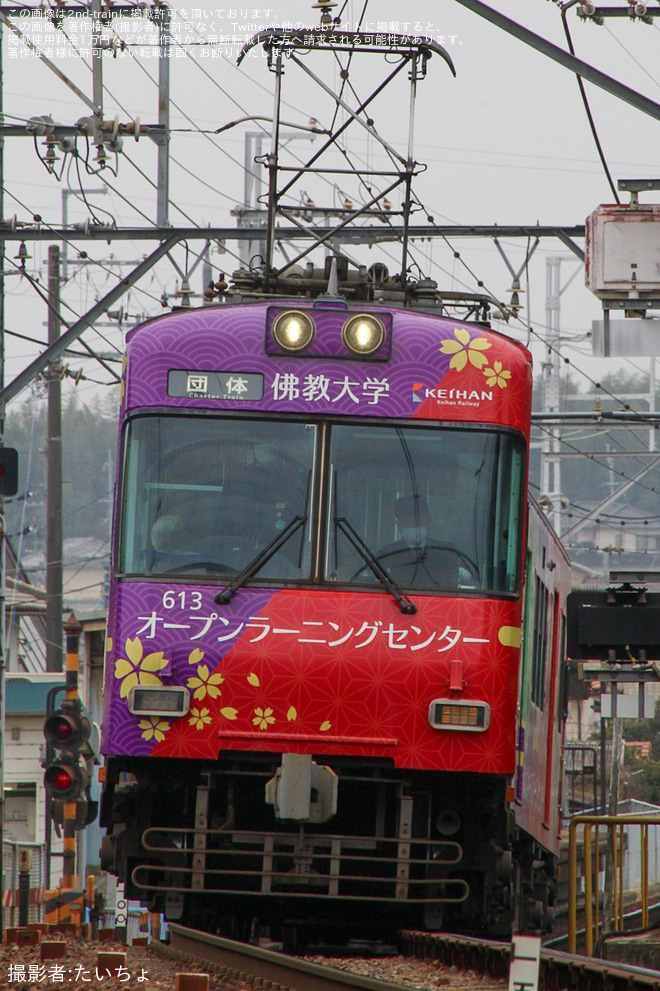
(70, 731)
(67, 728)
(66, 780)
(60, 779)
(8, 471)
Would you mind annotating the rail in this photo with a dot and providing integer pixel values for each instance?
(258, 967)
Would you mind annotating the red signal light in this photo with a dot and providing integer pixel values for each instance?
(59, 780)
(60, 729)
(67, 728)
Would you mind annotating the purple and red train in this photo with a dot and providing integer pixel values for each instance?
(334, 673)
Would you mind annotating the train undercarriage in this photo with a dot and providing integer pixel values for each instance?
(228, 848)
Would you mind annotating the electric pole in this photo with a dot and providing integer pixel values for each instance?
(54, 474)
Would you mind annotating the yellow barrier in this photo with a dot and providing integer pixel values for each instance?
(614, 827)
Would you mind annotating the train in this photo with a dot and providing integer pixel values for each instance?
(335, 683)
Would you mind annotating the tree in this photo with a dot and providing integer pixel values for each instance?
(89, 438)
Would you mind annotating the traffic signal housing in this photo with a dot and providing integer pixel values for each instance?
(68, 727)
(69, 731)
(66, 779)
(8, 471)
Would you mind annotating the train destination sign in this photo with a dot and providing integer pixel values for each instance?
(214, 385)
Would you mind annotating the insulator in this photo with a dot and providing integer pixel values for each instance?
(22, 255)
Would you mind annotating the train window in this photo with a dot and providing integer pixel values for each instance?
(540, 643)
(439, 509)
(206, 495)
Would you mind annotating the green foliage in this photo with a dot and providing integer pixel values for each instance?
(644, 784)
(89, 440)
(643, 775)
(644, 729)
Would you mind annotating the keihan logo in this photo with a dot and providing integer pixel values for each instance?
(454, 396)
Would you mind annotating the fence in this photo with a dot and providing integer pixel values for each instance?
(613, 835)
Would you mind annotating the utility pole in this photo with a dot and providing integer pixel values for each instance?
(551, 446)
(609, 907)
(80, 194)
(550, 459)
(54, 473)
(2, 537)
(164, 15)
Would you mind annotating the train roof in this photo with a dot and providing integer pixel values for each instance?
(401, 313)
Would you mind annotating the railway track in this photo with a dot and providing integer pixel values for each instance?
(256, 967)
(558, 970)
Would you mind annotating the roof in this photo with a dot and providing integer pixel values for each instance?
(640, 748)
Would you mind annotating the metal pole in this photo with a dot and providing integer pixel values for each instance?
(53, 351)
(72, 630)
(80, 194)
(410, 166)
(97, 60)
(610, 902)
(603, 738)
(163, 184)
(50, 707)
(273, 201)
(24, 865)
(560, 55)
(550, 461)
(54, 471)
(2, 539)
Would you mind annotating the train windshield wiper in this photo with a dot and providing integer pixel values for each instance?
(370, 559)
(258, 561)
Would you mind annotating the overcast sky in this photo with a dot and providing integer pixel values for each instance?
(506, 141)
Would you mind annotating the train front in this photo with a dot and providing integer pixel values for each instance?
(314, 627)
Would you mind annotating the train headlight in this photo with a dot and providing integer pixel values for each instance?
(363, 333)
(294, 330)
(159, 700)
(470, 717)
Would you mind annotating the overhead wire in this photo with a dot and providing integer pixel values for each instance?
(585, 101)
(621, 475)
(45, 298)
(243, 109)
(456, 254)
(342, 149)
(632, 524)
(125, 155)
(71, 242)
(238, 104)
(639, 65)
(103, 177)
(190, 120)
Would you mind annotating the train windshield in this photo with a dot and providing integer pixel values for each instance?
(438, 509)
(207, 495)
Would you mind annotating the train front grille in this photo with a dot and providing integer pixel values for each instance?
(300, 864)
